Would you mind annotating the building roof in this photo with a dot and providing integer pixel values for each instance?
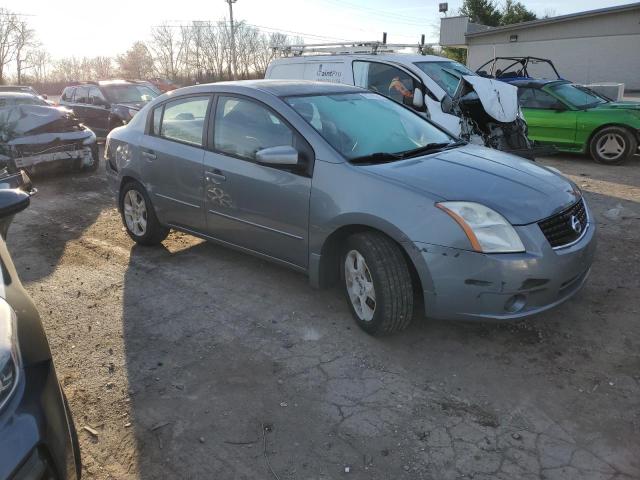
(558, 19)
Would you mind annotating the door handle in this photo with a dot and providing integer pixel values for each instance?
(215, 176)
(148, 154)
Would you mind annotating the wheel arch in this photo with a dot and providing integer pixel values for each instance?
(324, 271)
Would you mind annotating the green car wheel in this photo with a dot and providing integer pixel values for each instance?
(612, 145)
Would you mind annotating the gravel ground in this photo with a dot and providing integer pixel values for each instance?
(194, 361)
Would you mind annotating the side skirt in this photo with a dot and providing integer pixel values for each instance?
(263, 256)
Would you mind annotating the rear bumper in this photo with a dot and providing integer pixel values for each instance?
(466, 285)
(35, 433)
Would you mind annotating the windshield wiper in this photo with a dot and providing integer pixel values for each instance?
(431, 147)
(383, 157)
(377, 157)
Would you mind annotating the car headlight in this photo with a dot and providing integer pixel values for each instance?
(9, 353)
(487, 230)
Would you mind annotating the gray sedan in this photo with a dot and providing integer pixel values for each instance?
(351, 188)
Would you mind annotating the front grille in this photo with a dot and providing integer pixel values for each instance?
(567, 226)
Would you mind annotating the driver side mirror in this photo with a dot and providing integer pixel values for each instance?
(12, 201)
(559, 107)
(284, 155)
(418, 98)
(446, 104)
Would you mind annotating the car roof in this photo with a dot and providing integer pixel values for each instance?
(278, 88)
(16, 94)
(535, 82)
(9, 88)
(390, 57)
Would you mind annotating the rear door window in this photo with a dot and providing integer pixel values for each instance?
(96, 97)
(184, 118)
(388, 80)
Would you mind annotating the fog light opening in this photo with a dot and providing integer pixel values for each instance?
(515, 303)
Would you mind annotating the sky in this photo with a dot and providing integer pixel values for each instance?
(72, 28)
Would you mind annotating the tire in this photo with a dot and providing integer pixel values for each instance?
(383, 280)
(96, 160)
(613, 145)
(75, 443)
(139, 216)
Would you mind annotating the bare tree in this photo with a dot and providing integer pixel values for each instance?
(8, 22)
(41, 61)
(165, 47)
(102, 67)
(25, 40)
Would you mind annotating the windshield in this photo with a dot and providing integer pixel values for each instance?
(446, 74)
(577, 95)
(129, 93)
(362, 125)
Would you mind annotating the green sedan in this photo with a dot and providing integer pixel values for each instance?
(575, 119)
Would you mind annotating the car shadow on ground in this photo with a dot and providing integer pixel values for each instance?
(66, 205)
(231, 360)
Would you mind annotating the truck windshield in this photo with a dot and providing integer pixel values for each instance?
(446, 74)
(129, 93)
(369, 128)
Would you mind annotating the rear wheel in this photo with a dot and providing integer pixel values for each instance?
(377, 283)
(139, 216)
(613, 145)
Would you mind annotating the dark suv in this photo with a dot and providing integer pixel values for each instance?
(104, 105)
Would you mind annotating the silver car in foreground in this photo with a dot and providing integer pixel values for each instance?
(348, 186)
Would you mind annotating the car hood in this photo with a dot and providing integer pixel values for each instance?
(520, 190)
(20, 120)
(499, 99)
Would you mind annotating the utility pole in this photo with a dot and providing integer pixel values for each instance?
(233, 40)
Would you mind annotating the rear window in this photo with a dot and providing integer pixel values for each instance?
(183, 120)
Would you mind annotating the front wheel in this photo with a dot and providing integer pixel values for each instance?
(139, 217)
(613, 145)
(377, 283)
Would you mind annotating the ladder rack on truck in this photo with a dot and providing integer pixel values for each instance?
(350, 48)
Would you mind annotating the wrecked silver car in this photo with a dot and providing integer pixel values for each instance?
(34, 135)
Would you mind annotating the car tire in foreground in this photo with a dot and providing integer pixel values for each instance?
(77, 457)
(377, 283)
(612, 145)
(139, 216)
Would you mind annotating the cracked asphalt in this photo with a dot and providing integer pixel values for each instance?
(193, 361)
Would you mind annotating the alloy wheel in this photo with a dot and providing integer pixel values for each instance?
(135, 212)
(359, 283)
(611, 146)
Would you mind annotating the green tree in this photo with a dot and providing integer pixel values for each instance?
(516, 12)
(485, 12)
(488, 12)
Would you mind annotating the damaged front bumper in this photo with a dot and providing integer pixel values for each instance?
(466, 285)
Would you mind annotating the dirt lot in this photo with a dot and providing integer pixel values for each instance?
(193, 361)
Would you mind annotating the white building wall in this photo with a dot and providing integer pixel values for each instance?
(602, 48)
(600, 59)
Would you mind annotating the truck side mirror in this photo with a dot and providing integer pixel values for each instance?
(418, 98)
